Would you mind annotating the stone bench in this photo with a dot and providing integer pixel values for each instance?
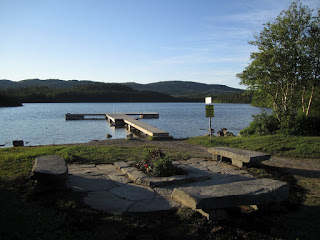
(211, 196)
(50, 172)
(238, 156)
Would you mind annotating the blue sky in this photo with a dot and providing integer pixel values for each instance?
(140, 41)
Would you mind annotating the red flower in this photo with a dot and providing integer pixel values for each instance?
(146, 165)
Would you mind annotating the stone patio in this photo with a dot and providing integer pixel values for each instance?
(208, 186)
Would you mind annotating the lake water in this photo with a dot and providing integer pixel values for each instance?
(44, 123)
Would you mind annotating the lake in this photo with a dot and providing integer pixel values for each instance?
(44, 123)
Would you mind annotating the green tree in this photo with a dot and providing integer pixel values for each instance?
(285, 69)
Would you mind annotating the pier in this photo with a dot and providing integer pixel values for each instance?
(125, 120)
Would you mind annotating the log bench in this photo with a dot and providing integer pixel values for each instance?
(238, 156)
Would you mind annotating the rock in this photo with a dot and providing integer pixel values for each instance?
(230, 134)
(229, 195)
(130, 136)
(121, 165)
(108, 135)
(224, 133)
(18, 143)
(50, 172)
(220, 134)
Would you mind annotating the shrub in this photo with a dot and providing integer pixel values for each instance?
(262, 124)
(301, 125)
(156, 163)
(163, 167)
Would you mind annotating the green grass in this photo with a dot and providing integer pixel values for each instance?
(17, 162)
(280, 145)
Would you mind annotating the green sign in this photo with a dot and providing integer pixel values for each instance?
(209, 111)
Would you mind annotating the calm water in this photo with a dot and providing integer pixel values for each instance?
(44, 123)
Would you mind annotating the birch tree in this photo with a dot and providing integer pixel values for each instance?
(285, 68)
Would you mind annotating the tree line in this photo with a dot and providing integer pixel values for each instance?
(106, 92)
(236, 97)
(96, 92)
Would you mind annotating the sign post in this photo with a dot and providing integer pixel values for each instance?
(209, 113)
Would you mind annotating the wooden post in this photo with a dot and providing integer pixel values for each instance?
(210, 128)
(209, 113)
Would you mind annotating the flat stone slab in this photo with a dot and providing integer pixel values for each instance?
(51, 171)
(108, 202)
(239, 156)
(166, 181)
(90, 183)
(251, 192)
(121, 164)
(119, 178)
(133, 192)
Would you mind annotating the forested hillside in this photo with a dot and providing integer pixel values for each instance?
(183, 88)
(96, 92)
(51, 83)
(55, 90)
(7, 101)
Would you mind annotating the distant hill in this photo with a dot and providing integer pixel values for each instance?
(50, 83)
(183, 88)
(55, 90)
(93, 92)
(173, 88)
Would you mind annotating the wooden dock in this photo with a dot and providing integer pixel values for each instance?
(103, 116)
(125, 120)
(86, 116)
(133, 125)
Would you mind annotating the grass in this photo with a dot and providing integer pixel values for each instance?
(279, 145)
(26, 215)
(17, 162)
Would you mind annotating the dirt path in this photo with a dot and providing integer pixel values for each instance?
(308, 168)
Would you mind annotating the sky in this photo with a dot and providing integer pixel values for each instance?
(141, 41)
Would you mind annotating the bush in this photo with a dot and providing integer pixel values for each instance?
(156, 163)
(262, 124)
(163, 167)
(301, 125)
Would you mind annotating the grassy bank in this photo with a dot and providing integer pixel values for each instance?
(279, 145)
(26, 215)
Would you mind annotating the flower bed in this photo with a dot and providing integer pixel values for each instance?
(158, 164)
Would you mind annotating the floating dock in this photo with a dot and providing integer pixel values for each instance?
(86, 116)
(134, 125)
(103, 116)
(125, 120)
